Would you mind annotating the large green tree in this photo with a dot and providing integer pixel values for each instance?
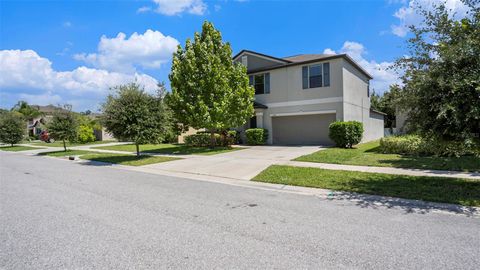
(29, 112)
(12, 127)
(63, 126)
(134, 115)
(386, 103)
(441, 81)
(209, 90)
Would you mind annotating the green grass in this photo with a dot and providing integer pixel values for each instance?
(17, 148)
(436, 189)
(368, 154)
(65, 153)
(170, 149)
(131, 160)
(60, 144)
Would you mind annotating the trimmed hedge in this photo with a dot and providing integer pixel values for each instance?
(346, 134)
(420, 146)
(256, 136)
(202, 139)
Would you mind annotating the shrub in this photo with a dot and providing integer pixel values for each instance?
(12, 128)
(233, 137)
(85, 134)
(346, 134)
(201, 139)
(430, 146)
(256, 136)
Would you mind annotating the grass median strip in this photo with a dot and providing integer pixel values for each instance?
(17, 148)
(436, 189)
(170, 149)
(65, 153)
(130, 160)
(368, 154)
(60, 143)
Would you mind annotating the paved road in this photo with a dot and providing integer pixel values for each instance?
(57, 214)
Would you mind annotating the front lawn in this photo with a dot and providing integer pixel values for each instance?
(17, 148)
(368, 154)
(170, 149)
(65, 153)
(436, 189)
(131, 160)
(60, 143)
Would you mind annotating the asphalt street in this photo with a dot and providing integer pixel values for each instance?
(58, 214)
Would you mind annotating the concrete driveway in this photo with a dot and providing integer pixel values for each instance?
(241, 164)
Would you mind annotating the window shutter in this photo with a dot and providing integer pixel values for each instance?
(250, 79)
(326, 74)
(305, 77)
(267, 83)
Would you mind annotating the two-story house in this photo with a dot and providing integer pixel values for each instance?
(297, 97)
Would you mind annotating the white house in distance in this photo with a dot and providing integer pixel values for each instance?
(297, 97)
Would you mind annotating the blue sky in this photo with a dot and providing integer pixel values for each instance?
(53, 51)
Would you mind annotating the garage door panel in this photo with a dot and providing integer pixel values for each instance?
(302, 129)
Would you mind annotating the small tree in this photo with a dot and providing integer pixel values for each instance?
(208, 89)
(12, 128)
(63, 126)
(29, 112)
(134, 115)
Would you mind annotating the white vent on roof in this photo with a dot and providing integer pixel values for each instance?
(245, 60)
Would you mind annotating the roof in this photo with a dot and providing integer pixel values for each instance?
(304, 59)
(379, 112)
(257, 105)
(49, 109)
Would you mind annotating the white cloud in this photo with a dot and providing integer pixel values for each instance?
(26, 75)
(175, 7)
(409, 15)
(148, 50)
(144, 9)
(329, 51)
(383, 77)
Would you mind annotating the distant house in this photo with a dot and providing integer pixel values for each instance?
(297, 97)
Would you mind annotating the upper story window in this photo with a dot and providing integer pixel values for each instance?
(317, 75)
(261, 83)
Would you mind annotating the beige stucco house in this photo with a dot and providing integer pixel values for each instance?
(297, 97)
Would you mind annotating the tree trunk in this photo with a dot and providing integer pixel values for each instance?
(212, 139)
(64, 146)
(138, 149)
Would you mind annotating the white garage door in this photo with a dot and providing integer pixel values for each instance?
(302, 129)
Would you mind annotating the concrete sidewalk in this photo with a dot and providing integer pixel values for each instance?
(387, 170)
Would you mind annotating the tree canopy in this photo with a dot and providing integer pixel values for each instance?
(441, 81)
(132, 114)
(12, 127)
(209, 90)
(28, 111)
(386, 103)
(63, 125)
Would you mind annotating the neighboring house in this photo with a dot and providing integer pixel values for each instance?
(297, 97)
(36, 125)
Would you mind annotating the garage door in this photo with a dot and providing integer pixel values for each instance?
(302, 129)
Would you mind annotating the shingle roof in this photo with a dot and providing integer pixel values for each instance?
(257, 105)
(306, 57)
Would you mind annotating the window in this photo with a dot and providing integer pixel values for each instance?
(316, 76)
(261, 83)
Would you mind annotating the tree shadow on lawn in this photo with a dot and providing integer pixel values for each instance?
(464, 164)
(186, 150)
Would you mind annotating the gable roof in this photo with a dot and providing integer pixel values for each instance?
(304, 59)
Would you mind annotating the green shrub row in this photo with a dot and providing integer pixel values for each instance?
(420, 146)
(201, 139)
(346, 134)
(256, 136)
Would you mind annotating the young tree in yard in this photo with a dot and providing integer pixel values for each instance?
(441, 81)
(208, 89)
(12, 128)
(63, 126)
(134, 115)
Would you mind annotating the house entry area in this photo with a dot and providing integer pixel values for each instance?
(302, 129)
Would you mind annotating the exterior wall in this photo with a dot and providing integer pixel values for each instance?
(102, 135)
(356, 103)
(190, 131)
